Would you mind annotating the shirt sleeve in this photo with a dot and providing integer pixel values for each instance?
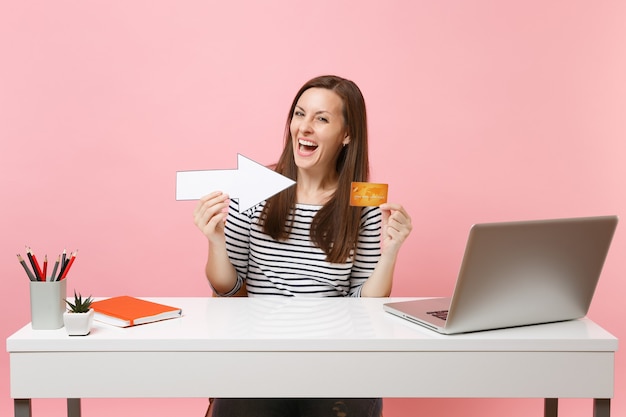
(237, 231)
(367, 249)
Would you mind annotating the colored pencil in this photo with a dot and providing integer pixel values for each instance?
(39, 272)
(64, 262)
(54, 270)
(44, 273)
(33, 263)
(69, 265)
(30, 274)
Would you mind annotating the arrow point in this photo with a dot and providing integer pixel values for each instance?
(262, 182)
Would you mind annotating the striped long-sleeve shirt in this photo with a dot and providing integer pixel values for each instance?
(295, 266)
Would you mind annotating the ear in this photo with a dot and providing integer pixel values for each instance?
(346, 139)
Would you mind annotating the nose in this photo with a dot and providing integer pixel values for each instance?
(305, 125)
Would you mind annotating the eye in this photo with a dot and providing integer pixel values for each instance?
(298, 113)
(322, 119)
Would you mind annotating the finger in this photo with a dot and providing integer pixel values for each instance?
(202, 205)
(395, 208)
(208, 201)
(208, 210)
(398, 216)
(398, 226)
(207, 198)
(391, 207)
(210, 196)
(386, 213)
(400, 221)
(217, 222)
(217, 208)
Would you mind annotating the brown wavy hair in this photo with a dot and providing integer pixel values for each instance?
(335, 228)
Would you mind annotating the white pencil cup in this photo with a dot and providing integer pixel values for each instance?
(47, 304)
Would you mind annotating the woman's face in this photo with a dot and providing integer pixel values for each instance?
(317, 130)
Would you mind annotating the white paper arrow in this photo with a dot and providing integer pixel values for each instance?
(251, 183)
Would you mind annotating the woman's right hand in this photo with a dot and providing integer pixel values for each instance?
(210, 215)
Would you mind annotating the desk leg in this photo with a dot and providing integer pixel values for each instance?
(73, 407)
(550, 407)
(601, 407)
(22, 408)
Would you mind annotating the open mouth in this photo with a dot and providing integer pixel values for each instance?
(307, 145)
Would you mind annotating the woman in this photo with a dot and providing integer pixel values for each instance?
(307, 240)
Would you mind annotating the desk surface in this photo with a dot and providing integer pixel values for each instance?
(331, 347)
(288, 324)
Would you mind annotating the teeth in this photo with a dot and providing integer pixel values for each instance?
(306, 142)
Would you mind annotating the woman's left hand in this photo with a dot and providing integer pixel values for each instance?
(396, 226)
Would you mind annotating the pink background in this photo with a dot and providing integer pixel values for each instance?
(479, 111)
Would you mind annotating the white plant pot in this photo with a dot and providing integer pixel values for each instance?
(78, 324)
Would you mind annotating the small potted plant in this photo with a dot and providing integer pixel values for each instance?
(79, 316)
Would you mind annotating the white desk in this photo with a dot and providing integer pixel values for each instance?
(230, 347)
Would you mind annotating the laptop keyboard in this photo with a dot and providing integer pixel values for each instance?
(441, 314)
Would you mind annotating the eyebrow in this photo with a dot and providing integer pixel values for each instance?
(317, 112)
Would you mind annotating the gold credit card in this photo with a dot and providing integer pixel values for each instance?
(368, 194)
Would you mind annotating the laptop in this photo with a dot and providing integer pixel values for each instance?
(518, 274)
